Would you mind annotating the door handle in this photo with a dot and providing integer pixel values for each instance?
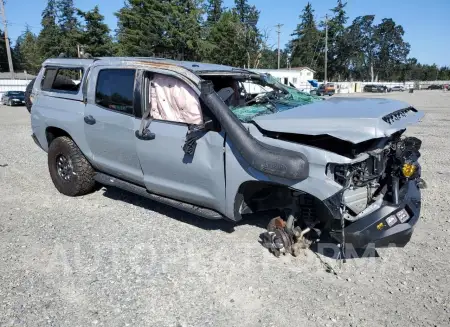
(146, 135)
(89, 120)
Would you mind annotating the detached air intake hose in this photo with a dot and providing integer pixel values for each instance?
(263, 157)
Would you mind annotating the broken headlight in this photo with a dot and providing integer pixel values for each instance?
(362, 172)
(406, 154)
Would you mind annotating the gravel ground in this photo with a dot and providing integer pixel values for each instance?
(114, 259)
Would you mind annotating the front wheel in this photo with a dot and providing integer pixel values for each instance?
(69, 169)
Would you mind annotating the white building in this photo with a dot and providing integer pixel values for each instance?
(19, 83)
(297, 76)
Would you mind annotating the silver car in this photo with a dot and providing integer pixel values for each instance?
(224, 142)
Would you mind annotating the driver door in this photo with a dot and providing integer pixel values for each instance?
(197, 179)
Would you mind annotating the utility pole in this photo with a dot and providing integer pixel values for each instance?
(8, 49)
(279, 32)
(326, 49)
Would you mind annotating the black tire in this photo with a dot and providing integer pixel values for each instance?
(28, 90)
(78, 178)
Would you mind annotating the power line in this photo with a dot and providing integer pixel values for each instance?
(8, 23)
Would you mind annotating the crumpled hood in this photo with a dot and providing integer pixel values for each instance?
(351, 119)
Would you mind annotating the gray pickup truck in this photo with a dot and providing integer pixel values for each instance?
(224, 142)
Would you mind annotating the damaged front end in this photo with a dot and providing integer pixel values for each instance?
(378, 205)
(380, 201)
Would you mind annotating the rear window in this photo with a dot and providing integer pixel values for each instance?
(62, 79)
(115, 88)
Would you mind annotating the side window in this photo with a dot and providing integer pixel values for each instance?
(171, 99)
(62, 79)
(48, 78)
(115, 88)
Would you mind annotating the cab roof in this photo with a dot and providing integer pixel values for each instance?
(196, 67)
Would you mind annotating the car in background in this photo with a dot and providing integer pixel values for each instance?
(13, 98)
(434, 87)
(326, 89)
(398, 88)
(375, 88)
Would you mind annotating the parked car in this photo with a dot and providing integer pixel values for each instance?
(435, 87)
(375, 88)
(326, 89)
(224, 142)
(13, 98)
(397, 88)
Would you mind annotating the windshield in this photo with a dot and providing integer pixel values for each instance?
(257, 95)
(20, 93)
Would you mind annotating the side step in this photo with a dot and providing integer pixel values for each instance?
(142, 191)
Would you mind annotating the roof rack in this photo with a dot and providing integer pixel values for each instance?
(87, 55)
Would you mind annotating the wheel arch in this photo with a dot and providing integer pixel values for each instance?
(262, 196)
(52, 132)
(256, 196)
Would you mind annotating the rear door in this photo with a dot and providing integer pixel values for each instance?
(109, 122)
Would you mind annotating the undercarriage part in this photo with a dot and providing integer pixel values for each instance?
(395, 189)
(280, 239)
(421, 183)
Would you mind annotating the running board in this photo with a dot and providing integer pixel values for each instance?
(142, 191)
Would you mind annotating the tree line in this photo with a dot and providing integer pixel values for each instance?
(204, 30)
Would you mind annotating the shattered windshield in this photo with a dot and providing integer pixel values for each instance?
(258, 95)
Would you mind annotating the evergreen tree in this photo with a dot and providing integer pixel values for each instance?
(308, 42)
(95, 36)
(362, 53)
(214, 11)
(185, 30)
(338, 47)
(50, 36)
(391, 50)
(168, 28)
(25, 52)
(249, 34)
(143, 28)
(69, 26)
(226, 37)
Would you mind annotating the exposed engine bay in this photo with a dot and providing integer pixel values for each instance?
(374, 179)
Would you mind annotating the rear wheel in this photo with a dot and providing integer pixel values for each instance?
(70, 171)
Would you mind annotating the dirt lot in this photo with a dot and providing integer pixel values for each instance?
(114, 259)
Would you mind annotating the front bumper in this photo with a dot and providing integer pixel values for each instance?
(17, 102)
(367, 232)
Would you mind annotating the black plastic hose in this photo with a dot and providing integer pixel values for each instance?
(263, 157)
